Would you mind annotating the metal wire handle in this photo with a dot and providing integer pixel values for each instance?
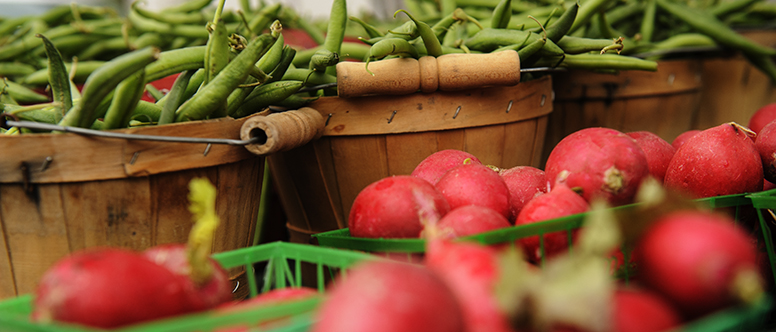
(108, 134)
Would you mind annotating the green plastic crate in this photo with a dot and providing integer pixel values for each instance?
(284, 268)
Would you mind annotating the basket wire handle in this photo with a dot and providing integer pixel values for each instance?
(109, 134)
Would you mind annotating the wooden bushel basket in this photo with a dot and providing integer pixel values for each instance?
(664, 102)
(733, 89)
(368, 138)
(60, 193)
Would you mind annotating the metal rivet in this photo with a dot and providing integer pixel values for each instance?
(327, 119)
(509, 107)
(236, 286)
(456, 112)
(671, 79)
(392, 115)
(134, 158)
(544, 98)
(46, 163)
(207, 149)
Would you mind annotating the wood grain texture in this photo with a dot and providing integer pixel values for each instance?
(420, 112)
(86, 158)
(733, 89)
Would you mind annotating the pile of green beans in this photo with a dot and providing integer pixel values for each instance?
(647, 29)
(539, 34)
(88, 67)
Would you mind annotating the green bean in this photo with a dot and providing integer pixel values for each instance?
(189, 6)
(146, 111)
(175, 61)
(724, 8)
(295, 101)
(604, 28)
(586, 11)
(406, 31)
(390, 46)
(370, 30)
(11, 69)
(648, 21)
(430, 41)
(578, 45)
(349, 50)
(501, 15)
(22, 94)
(217, 47)
(527, 53)
(48, 115)
(188, 30)
(175, 97)
(323, 59)
(559, 28)
(94, 50)
(263, 19)
(82, 70)
(170, 17)
(59, 79)
(266, 95)
(271, 59)
(338, 20)
(69, 45)
(489, 39)
(148, 39)
(8, 26)
(517, 6)
(102, 82)
(217, 91)
(154, 92)
(440, 27)
(128, 93)
(709, 25)
(591, 61)
(447, 6)
(312, 78)
(285, 62)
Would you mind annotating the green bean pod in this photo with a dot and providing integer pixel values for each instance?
(175, 97)
(433, 46)
(21, 93)
(586, 12)
(591, 61)
(189, 6)
(335, 33)
(266, 95)
(709, 25)
(647, 28)
(147, 111)
(168, 16)
(82, 70)
(217, 91)
(561, 27)
(128, 93)
(183, 30)
(12, 69)
(308, 76)
(285, 62)
(175, 61)
(103, 81)
(728, 7)
(440, 27)
(216, 50)
(370, 30)
(59, 79)
(501, 15)
(406, 31)
(295, 101)
(262, 19)
(578, 45)
(390, 46)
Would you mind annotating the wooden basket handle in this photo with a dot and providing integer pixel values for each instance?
(282, 131)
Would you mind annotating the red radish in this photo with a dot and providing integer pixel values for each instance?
(475, 184)
(721, 160)
(700, 261)
(472, 271)
(765, 143)
(469, 220)
(436, 164)
(657, 150)
(603, 162)
(524, 183)
(382, 295)
(109, 287)
(762, 117)
(388, 208)
(768, 185)
(638, 310)
(559, 202)
(212, 290)
(682, 138)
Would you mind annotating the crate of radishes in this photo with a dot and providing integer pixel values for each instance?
(177, 287)
(277, 296)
